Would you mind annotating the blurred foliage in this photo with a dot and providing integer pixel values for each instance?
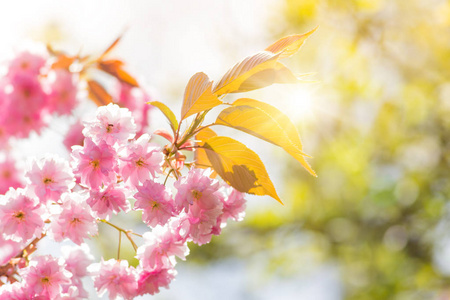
(380, 138)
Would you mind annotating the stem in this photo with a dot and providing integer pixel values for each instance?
(189, 147)
(191, 131)
(203, 127)
(126, 232)
(167, 177)
(120, 242)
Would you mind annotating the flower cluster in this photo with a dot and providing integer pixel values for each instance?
(34, 90)
(67, 201)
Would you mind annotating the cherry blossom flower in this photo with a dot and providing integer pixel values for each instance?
(74, 136)
(50, 177)
(95, 164)
(129, 97)
(62, 94)
(75, 220)
(161, 246)
(20, 123)
(150, 281)
(45, 277)
(233, 204)
(77, 261)
(14, 291)
(9, 249)
(113, 124)
(21, 215)
(9, 176)
(26, 62)
(27, 93)
(117, 278)
(108, 200)
(196, 185)
(202, 222)
(156, 202)
(201, 198)
(140, 160)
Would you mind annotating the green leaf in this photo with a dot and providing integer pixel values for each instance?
(167, 112)
(267, 123)
(198, 96)
(239, 166)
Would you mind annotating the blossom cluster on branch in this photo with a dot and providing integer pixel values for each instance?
(111, 168)
(115, 168)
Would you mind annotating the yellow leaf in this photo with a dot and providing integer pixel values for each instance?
(289, 45)
(239, 166)
(278, 74)
(267, 123)
(231, 82)
(200, 157)
(168, 113)
(198, 96)
(204, 134)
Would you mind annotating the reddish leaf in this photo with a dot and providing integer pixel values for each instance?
(63, 62)
(111, 47)
(289, 45)
(114, 68)
(98, 94)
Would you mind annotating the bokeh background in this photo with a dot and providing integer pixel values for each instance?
(374, 224)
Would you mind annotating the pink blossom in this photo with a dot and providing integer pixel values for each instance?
(9, 176)
(202, 200)
(140, 160)
(45, 276)
(161, 246)
(95, 164)
(203, 222)
(117, 278)
(129, 97)
(74, 136)
(150, 281)
(156, 202)
(27, 93)
(77, 261)
(26, 62)
(75, 221)
(14, 291)
(196, 185)
(21, 215)
(50, 177)
(113, 124)
(108, 200)
(233, 204)
(21, 122)
(9, 249)
(135, 100)
(62, 94)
